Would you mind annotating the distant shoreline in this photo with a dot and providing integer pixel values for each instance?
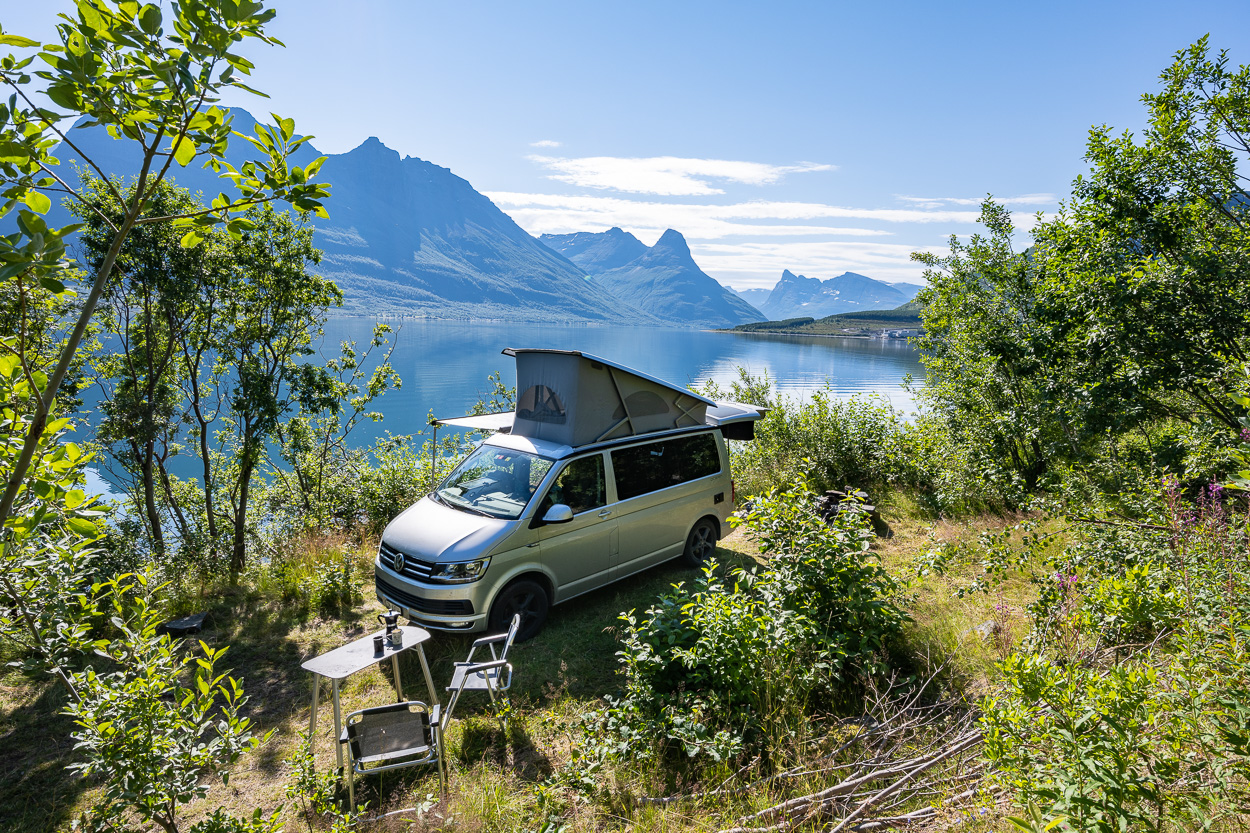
(801, 335)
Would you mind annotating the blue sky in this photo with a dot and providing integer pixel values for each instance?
(818, 137)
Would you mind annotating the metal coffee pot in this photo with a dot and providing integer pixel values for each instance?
(391, 620)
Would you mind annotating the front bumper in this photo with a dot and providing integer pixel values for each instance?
(438, 609)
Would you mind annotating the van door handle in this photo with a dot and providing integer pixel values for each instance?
(532, 545)
(605, 513)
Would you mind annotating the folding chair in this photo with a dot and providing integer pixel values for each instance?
(494, 676)
(391, 737)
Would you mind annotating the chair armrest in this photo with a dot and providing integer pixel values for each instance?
(490, 665)
(487, 640)
(436, 714)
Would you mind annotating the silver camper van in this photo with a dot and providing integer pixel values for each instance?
(600, 472)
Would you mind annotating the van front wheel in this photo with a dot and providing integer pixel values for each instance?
(525, 597)
(700, 544)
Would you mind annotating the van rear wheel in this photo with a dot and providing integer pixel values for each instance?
(528, 598)
(700, 544)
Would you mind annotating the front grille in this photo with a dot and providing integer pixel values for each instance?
(440, 607)
(413, 567)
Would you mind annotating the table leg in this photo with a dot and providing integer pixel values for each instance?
(425, 669)
(399, 687)
(312, 721)
(338, 728)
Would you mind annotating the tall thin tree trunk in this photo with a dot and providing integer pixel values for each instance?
(238, 554)
(149, 501)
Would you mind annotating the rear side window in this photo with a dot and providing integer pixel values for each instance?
(647, 468)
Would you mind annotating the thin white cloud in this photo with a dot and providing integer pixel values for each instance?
(750, 243)
(669, 176)
(553, 214)
(761, 263)
(558, 214)
(545, 143)
(939, 202)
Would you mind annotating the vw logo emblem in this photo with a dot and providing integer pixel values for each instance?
(398, 561)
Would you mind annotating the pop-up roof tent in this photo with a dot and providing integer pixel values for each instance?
(576, 399)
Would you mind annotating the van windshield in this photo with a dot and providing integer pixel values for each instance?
(494, 481)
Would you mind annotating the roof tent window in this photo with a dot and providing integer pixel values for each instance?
(640, 404)
(541, 404)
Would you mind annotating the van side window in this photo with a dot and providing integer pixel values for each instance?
(647, 468)
(580, 486)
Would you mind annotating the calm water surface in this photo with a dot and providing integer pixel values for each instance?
(444, 364)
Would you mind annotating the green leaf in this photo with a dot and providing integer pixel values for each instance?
(150, 19)
(91, 17)
(38, 202)
(190, 240)
(52, 285)
(184, 151)
(13, 153)
(83, 527)
(17, 40)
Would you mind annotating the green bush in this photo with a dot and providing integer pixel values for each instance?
(862, 441)
(730, 662)
(1131, 710)
(1158, 742)
(335, 584)
(152, 720)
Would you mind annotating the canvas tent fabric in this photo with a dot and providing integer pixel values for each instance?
(577, 399)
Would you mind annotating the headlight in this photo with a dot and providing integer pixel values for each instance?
(459, 573)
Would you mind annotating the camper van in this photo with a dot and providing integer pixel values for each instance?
(600, 472)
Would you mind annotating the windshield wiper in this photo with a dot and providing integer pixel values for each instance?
(462, 505)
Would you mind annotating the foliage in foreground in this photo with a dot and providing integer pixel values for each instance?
(734, 662)
(151, 79)
(862, 441)
(1130, 708)
(149, 738)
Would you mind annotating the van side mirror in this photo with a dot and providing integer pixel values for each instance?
(558, 514)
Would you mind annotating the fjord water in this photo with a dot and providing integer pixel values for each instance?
(444, 364)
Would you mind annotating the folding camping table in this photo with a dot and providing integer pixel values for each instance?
(346, 660)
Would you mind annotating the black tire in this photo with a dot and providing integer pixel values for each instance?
(700, 543)
(528, 598)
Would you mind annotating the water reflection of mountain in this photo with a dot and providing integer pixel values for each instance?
(444, 365)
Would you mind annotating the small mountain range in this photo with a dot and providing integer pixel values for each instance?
(662, 280)
(798, 296)
(407, 237)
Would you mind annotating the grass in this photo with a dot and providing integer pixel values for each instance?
(495, 777)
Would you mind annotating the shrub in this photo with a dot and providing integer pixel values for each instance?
(151, 738)
(1131, 711)
(732, 661)
(862, 441)
(335, 584)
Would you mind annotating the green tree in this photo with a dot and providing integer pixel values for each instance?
(991, 376)
(271, 309)
(148, 312)
(1131, 309)
(332, 401)
(154, 81)
(1149, 258)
